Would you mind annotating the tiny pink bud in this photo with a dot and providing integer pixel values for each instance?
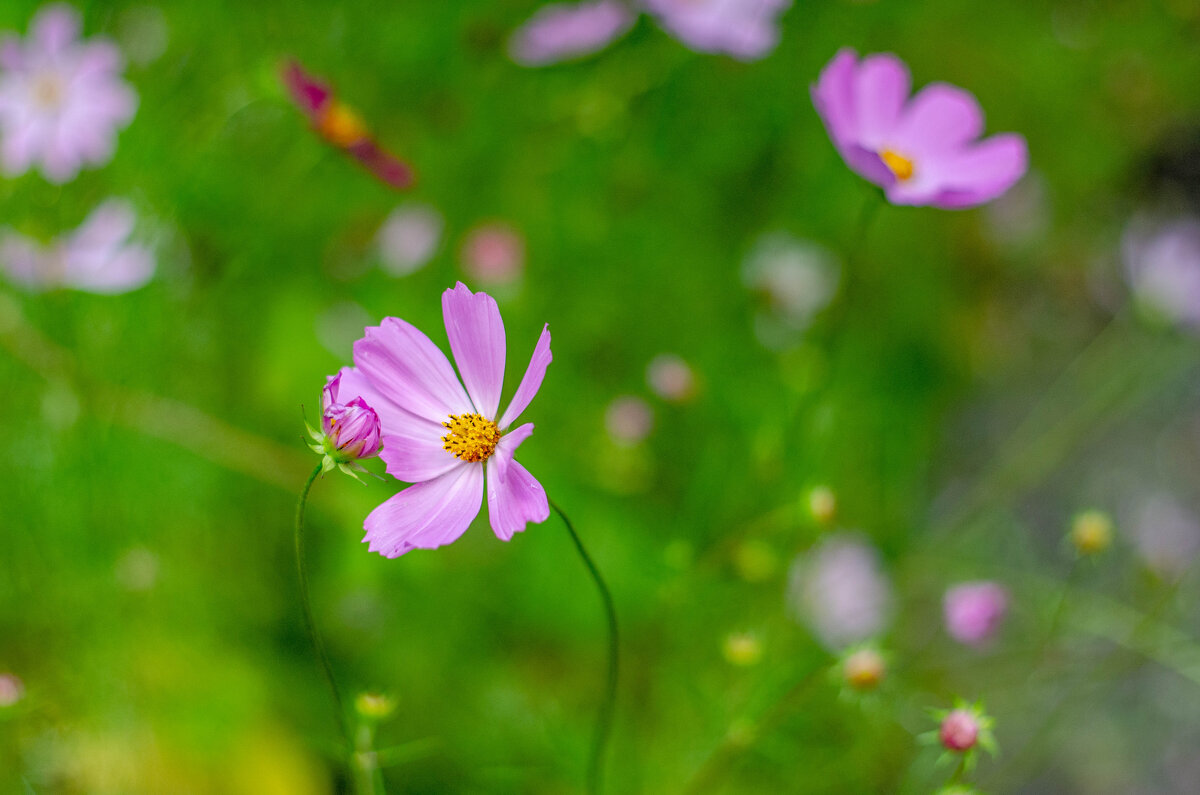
(11, 690)
(351, 429)
(959, 731)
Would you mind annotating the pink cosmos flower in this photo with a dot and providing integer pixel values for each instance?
(562, 31)
(97, 257)
(974, 611)
(744, 29)
(62, 100)
(1162, 262)
(671, 378)
(840, 590)
(341, 126)
(441, 437)
(494, 254)
(628, 420)
(11, 690)
(352, 427)
(924, 151)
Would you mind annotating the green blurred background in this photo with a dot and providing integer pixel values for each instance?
(963, 395)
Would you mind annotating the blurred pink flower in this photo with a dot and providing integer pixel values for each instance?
(409, 238)
(974, 611)
(441, 437)
(1162, 262)
(744, 29)
(62, 100)
(840, 590)
(670, 377)
(1166, 534)
(922, 151)
(11, 690)
(796, 278)
(493, 254)
(352, 427)
(96, 257)
(628, 420)
(562, 31)
(341, 126)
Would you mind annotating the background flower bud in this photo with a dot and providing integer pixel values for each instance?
(974, 611)
(959, 731)
(1091, 532)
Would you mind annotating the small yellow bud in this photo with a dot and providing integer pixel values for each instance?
(374, 706)
(743, 649)
(864, 669)
(1091, 532)
(822, 504)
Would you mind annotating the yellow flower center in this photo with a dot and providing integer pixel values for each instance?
(340, 125)
(47, 91)
(472, 437)
(900, 165)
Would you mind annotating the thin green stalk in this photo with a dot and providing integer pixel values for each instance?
(309, 624)
(595, 776)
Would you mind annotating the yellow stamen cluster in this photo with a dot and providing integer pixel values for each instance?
(472, 437)
(340, 125)
(900, 165)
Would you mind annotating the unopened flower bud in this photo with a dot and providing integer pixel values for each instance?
(959, 730)
(822, 504)
(351, 429)
(1091, 532)
(864, 669)
(374, 706)
(743, 649)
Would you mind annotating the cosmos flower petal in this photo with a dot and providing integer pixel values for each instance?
(476, 335)
(399, 360)
(531, 382)
(416, 454)
(940, 117)
(514, 496)
(833, 96)
(562, 31)
(984, 171)
(882, 85)
(55, 28)
(393, 419)
(427, 515)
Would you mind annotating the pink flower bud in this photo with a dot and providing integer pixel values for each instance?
(959, 731)
(11, 690)
(351, 429)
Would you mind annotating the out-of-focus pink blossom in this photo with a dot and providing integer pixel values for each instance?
(840, 590)
(11, 690)
(494, 254)
(744, 29)
(923, 151)
(1162, 263)
(98, 256)
(1166, 534)
(409, 238)
(628, 420)
(796, 278)
(671, 378)
(62, 100)
(974, 611)
(562, 31)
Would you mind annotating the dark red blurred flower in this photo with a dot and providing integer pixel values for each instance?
(341, 126)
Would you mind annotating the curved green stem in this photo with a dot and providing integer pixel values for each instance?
(309, 624)
(604, 719)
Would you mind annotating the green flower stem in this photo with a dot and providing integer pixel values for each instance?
(595, 777)
(309, 624)
(367, 774)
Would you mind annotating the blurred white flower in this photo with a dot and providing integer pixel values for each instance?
(628, 420)
(1166, 534)
(840, 590)
(97, 257)
(62, 100)
(671, 378)
(409, 238)
(11, 690)
(1162, 263)
(796, 279)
